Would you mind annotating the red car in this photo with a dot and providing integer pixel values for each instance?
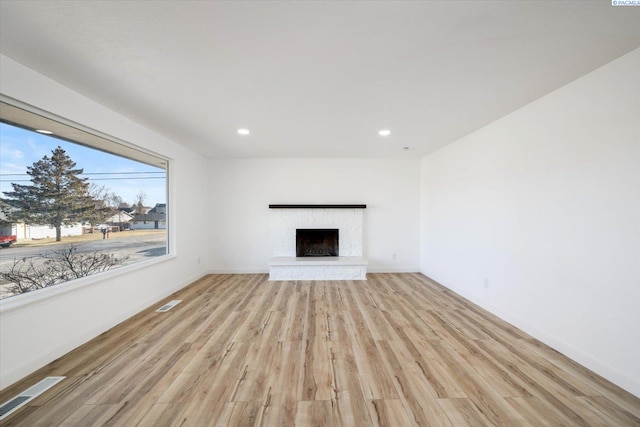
(6, 241)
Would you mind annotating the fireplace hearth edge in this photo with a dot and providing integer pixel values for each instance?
(320, 268)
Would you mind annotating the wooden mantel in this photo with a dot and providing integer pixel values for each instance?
(317, 206)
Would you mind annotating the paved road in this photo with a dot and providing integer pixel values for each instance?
(136, 247)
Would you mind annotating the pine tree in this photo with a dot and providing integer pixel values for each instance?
(56, 197)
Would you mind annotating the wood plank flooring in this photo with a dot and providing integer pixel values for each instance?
(396, 350)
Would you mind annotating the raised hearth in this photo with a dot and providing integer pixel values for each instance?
(318, 268)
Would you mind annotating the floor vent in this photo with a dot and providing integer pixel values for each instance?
(168, 306)
(26, 396)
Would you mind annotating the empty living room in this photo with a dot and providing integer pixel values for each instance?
(319, 213)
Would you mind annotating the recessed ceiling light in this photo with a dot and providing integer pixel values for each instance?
(384, 132)
(46, 132)
(243, 131)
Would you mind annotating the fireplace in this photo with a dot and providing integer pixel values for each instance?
(316, 242)
(329, 258)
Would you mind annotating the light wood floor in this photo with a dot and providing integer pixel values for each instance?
(396, 350)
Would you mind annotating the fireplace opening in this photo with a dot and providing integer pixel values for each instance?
(316, 242)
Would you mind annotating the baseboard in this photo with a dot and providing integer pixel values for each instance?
(238, 271)
(266, 271)
(392, 270)
(575, 354)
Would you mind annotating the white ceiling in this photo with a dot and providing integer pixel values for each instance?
(315, 79)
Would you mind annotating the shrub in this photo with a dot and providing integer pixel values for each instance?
(54, 267)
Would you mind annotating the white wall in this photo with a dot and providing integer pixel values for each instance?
(35, 333)
(544, 205)
(241, 191)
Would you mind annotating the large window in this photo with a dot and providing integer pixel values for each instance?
(73, 202)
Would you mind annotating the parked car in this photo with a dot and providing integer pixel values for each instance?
(6, 241)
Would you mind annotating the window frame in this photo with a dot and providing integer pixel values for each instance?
(20, 114)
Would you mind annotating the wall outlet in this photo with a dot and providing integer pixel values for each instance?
(394, 256)
(198, 260)
(486, 283)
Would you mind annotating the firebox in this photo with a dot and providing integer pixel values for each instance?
(316, 242)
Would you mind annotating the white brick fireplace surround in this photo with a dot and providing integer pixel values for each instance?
(348, 219)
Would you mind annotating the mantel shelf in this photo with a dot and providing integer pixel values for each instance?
(317, 206)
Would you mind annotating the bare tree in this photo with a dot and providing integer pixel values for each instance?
(56, 266)
(138, 204)
(106, 202)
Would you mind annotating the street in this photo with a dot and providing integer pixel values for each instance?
(136, 246)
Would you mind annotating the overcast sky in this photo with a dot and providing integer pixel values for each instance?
(20, 148)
